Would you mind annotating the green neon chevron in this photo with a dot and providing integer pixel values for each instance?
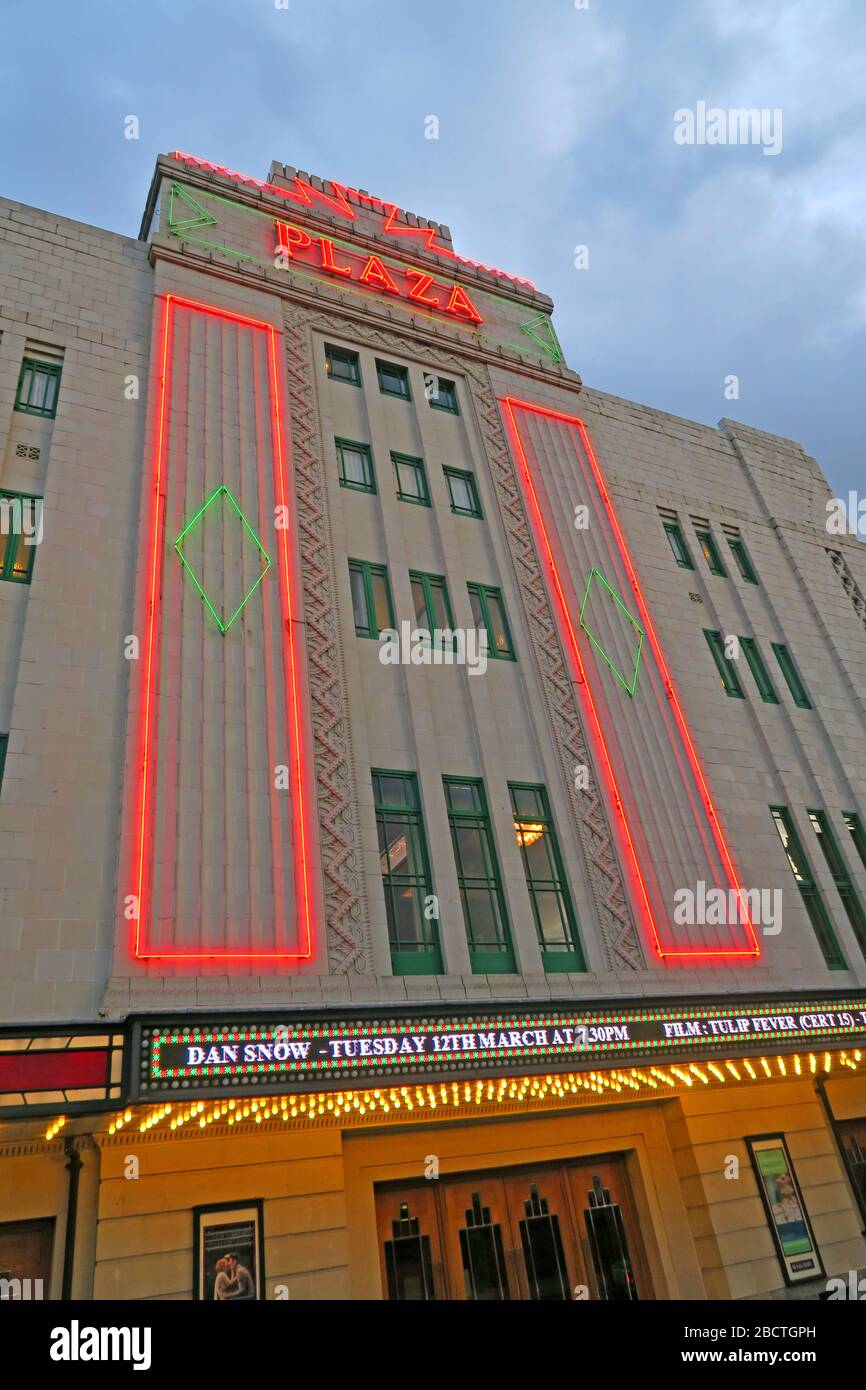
(223, 620)
(541, 332)
(202, 217)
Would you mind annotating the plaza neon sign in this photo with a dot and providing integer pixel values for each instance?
(295, 245)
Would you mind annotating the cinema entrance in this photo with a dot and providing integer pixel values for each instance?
(548, 1233)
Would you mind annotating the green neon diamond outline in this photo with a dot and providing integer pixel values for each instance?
(629, 689)
(222, 489)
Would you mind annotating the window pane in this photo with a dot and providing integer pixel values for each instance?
(552, 925)
(460, 495)
(354, 464)
(477, 609)
(420, 604)
(538, 852)
(482, 916)
(393, 791)
(440, 611)
(381, 600)
(526, 801)
(462, 796)
(499, 635)
(359, 600)
(471, 848)
(408, 918)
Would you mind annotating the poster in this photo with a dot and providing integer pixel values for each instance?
(229, 1253)
(784, 1207)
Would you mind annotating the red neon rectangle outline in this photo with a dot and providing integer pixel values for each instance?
(303, 867)
(510, 403)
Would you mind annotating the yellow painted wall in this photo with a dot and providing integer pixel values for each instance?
(34, 1184)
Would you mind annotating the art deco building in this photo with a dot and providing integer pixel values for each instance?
(433, 816)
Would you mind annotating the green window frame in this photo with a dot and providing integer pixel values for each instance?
(463, 492)
(552, 908)
(838, 866)
(484, 912)
(855, 829)
(792, 675)
(766, 689)
(707, 542)
(17, 558)
(411, 477)
(488, 614)
(372, 604)
(809, 891)
(393, 380)
(724, 665)
(343, 365)
(356, 476)
(445, 395)
(413, 937)
(430, 600)
(4, 747)
(743, 560)
(678, 545)
(38, 388)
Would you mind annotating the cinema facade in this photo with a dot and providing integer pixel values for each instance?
(527, 967)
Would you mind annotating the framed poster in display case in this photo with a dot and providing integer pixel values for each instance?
(784, 1208)
(228, 1252)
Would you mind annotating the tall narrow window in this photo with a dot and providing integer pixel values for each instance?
(463, 492)
(677, 542)
(838, 867)
(854, 825)
(371, 598)
(809, 892)
(710, 551)
(743, 562)
(545, 878)
(405, 867)
(20, 532)
(38, 388)
(411, 479)
(724, 665)
(4, 744)
(484, 914)
(766, 689)
(342, 365)
(488, 613)
(792, 675)
(356, 465)
(442, 394)
(431, 602)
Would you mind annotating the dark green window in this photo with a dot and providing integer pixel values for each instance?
(412, 928)
(20, 526)
(710, 550)
(545, 878)
(484, 913)
(371, 598)
(724, 665)
(356, 465)
(411, 479)
(488, 613)
(744, 564)
(4, 744)
(38, 388)
(678, 545)
(766, 689)
(812, 900)
(463, 492)
(792, 675)
(858, 834)
(838, 867)
(431, 602)
(442, 394)
(342, 365)
(393, 381)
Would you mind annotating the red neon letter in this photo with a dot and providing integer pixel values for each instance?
(374, 273)
(328, 263)
(460, 303)
(422, 283)
(289, 236)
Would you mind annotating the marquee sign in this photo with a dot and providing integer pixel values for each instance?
(307, 1053)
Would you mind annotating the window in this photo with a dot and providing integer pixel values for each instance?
(342, 365)
(356, 465)
(678, 545)
(20, 529)
(413, 937)
(766, 689)
(371, 598)
(724, 665)
(393, 381)
(707, 542)
(792, 675)
(411, 479)
(857, 833)
(545, 878)
(812, 900)
(478, 876)
(841, 876)
(488, 613)
(4, 744)
(431, 602)
(442, 394)
(463, 493)
(38, 388)
(741, 556)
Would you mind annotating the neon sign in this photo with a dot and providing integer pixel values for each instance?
(294, 244)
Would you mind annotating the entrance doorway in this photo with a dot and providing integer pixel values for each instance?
(25, 1258)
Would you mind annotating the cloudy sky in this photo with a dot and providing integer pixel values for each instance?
(556, 130)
